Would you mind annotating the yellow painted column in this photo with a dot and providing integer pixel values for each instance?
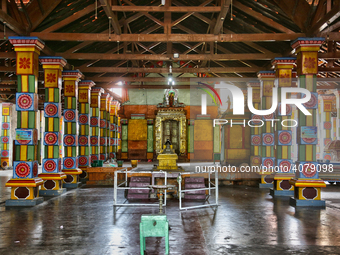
(25, 181)
(108, 129)
(5, 135)
(283, 134)
(307, 184)
(70, 139)
(84, 95)
(51, 164)
(94, 123)
(103, 126)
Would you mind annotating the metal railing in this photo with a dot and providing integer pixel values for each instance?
(215, 187)
(119, 187)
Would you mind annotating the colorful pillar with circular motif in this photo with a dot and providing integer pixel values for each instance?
(283, 135)
(70, 160)
(51, 164)
(5, 134)
(25, 182)
(108, 129)
(84, 161)
(307, 184)
(103, 126)
(94, 122)
(255, 148)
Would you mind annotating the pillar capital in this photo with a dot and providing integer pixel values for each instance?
(284, 63)
(268, 75)
(307, 44)
(86, 84)
(97, 90)
(72, 75)
(23, 43)
(53, 62)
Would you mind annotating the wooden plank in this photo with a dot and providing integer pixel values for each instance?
(166, 9)
(111, 15)
(289, 7)
(165, 38)
(221, 16)
(164, 70)
(70, 19)
(262, 18)
(12, 23)
(169, 57)
(327, 19)
(36, 14)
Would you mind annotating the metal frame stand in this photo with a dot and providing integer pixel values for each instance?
(215, 187)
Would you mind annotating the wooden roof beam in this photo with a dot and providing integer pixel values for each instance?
(111, 15)
(165, 9)
(165, 38)
(296, 10)
(325, 20)
(262, 18)
(221, 16)
(12, 23)
(36, 16)
(169, 57)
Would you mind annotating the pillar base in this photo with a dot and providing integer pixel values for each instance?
(266, 185)
(308, 203)
(52, 193)
(24, 202)
(281, 193)
(71, 185)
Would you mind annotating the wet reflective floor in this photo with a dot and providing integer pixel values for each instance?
(248, 221)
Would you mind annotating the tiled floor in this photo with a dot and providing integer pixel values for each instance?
(248, 221)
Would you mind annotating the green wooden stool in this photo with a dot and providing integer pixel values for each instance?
(155, 225)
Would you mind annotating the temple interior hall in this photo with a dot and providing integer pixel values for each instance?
(196, 127)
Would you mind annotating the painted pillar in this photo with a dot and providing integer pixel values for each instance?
(112, 131)
(256, 139)
(70, 159)
(283, 134)
(307, 185)
(190, 138)
(337, 100)
(51, 164)
(124, 149)
(103, 124)
(117, 130)
(25, 182)
(326, 124)
(149, 151)
(119, 135)
(267, 133)
(84, 95)
(108, 129)
(94, 122)
(5, 134)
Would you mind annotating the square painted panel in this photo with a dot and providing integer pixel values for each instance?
(268, 162)
(70, 140)
(51, 165)
(5, 126)
(94, 121)
(26, 101)
(5, 139)
(4, 153)
(83, 161)
(94, 157)
(284, 137)
(112, 126)
(256, 140)
(94, 141)
(313, 102)
(102, 141)
(102, 123)
(307, 170)
(52, 138)
(84, 119)
(70, 163)
(25, 169)
(52, 110)
(83, 140)
(289, 110)
(268, 139)
(307, 135)
(102, 156)
(70, 115)
(26, 136)
(285, 165)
